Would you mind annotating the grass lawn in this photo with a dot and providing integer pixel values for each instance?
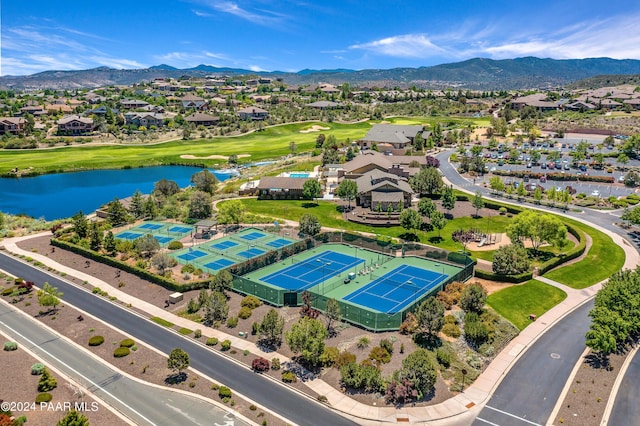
(517, 302)
(273, 142)
(603, 259)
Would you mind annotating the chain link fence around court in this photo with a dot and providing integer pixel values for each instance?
(369, 319)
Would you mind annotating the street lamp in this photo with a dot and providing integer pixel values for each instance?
(464, 373)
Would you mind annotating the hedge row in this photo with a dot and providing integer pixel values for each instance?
(555, 176)
(142, 273)
(545, 267)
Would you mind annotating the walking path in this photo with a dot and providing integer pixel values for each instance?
(460, 409)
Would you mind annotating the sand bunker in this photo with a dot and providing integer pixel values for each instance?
(315, 129)
(211, 157)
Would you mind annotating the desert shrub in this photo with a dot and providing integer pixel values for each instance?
(387, 345)
(275, 363)
(10, 346)
(121, 352)
(255, 328)
(197, 333)
(232, 322)
(47, 382)
(365, 377)
(212, 341)
(288, 377)
(451, 294)
(8, 291)
(443, 357)
(409, 325)
(260, 364)
(127, 343)
(188, 269)
(225, 345)
(400, 392)
(224, 393)
(450, 319)
(37, 369)
(250, 302)
(475, 331)
(96, 341)
(175, 245)
(244, 312)
(380, 355)
(451, 330)
(345, 358)
(43, 397)
(329, 356)
(363, 342)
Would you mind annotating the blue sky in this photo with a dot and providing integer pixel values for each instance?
(290, 35)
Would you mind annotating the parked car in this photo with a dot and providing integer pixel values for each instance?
(543, 179)
(543, 165)
(529, 165)
(595, 193)
(583, 168)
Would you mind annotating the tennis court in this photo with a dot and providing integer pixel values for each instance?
(312, 271)
(218, 264)
(248, 254)
(190, 255)
(163, 240)
(255, 235)
(180, 229)
(150, 226)
(128, 235)
(280, 242)
(223, 245)
(397, 289)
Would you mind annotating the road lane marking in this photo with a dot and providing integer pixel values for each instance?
(487, 421)
(512, 415)
(34, 345)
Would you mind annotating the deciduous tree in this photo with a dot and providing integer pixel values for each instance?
(178, 361)
(306, 338)
(309, 224)
(271, 328)
(347, 190)
(49, 296)
(205, 181)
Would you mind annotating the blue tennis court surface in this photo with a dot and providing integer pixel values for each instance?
(128, 235)
(179, 229)
(223, 245)
(280, 242)
(151, 226)
(162, 240)
(248, 254)
(219, 264)
(252, 236)
(397, 289)
(190, 255)
(311, 272)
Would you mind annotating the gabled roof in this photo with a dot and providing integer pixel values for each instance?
(392, 133)
(198, 116)
(363, 160)
(70, 118)
(278, 182)
(15, 121)
(252, 110)
(377, 179)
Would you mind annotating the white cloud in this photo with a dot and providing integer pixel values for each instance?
(269, 18)
(406, 45)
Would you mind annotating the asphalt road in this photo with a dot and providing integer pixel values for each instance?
(626, 410)
(529, 392)
(281, 399)
(139, 402)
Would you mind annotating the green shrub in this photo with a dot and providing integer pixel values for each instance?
(185, 331)
(8, 291)
(444, 357)
(175, 245)
(288, 377)
(43, 397)
(232, 322)
(255, 328)
(224, 393)
(275, 363)
(387, 345)
(46, 382)
(450, 319)
(188, 269)
(96, 341)
(225, 345)
(127, 343)
(244, 313)
(37, 369)
(10, 346)
(329, 356)
(197, 333)
(212, 341)
(380, 355)
(121, 352)
(250, 302)
(451, 330)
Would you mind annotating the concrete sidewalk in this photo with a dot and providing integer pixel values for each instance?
(459, 410)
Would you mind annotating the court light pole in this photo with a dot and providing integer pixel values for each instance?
(323, 274)
(355, 267)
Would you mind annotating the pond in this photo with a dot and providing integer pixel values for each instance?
(57, 196)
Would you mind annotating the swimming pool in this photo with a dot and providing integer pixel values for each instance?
(298, 175)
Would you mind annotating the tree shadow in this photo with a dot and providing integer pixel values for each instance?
(436, 240)
(448, 216)
(309, 205)
(427, 341)
(175, 379)
(409, 237)
(427, 227)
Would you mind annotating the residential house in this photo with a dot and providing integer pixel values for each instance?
(133, 103)
(12, 125)
(537, 101)
(390, 136)
(33, 110)
(153, 108)
(145, 119)
(634, 103)
(101, 111)
(56, 108)
(253, 113)
(580, 106)
(194, 102)
(202, 119)
(379, 190)
(280, 188)
(609, 104)
(74, 125)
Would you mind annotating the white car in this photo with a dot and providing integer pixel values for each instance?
(595, 193)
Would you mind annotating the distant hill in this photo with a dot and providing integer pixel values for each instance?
(599, 81)
(478, 74)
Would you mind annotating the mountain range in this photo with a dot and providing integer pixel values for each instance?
(474, 74)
